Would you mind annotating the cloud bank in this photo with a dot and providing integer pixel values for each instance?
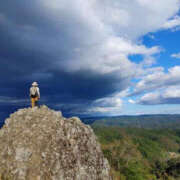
(79, 51)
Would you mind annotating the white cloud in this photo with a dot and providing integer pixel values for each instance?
(172, 92)
(150, 98)
(122, 94)
(109, 102)
(110, 105)
(158, 79)
(170, 95)
(132, 101)
(134, 18)
(109, 31)
(148, 61)
(172, 23)
(176, 55)
(103, 110)
(110, 111)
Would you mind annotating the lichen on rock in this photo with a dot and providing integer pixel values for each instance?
(39, 143)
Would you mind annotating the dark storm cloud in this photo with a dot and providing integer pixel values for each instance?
(35, 45)
(76, 50)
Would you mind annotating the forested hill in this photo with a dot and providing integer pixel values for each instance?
(142, 121)
(141, 154)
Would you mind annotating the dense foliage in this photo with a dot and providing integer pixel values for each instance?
(141, 154)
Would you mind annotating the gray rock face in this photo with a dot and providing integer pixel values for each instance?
(40, 144)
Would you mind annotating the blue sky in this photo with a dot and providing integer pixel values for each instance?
(91, 57)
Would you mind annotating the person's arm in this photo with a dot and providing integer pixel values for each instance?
(30, 92)
(38, 92)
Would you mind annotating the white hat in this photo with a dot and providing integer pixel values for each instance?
(34, 84)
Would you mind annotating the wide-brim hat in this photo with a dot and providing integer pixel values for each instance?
(34, 84)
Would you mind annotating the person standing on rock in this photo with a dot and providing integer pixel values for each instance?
(34, 94)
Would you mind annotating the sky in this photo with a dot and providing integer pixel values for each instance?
(91, 58)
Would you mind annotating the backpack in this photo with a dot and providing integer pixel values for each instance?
(33, 92)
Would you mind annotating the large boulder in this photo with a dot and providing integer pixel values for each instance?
(40, 144)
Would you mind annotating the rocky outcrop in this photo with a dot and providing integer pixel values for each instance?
(40, 144)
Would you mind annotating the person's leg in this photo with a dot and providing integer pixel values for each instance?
(36, 101)
(32, 102)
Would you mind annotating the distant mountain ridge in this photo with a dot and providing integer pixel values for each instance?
(140, 121)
